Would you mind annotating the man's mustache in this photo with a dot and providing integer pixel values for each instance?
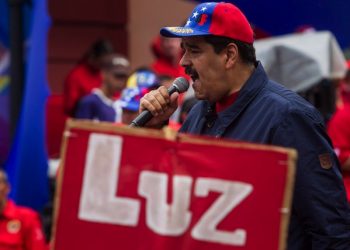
(191, 72)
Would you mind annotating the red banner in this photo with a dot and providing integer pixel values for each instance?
(137, 189)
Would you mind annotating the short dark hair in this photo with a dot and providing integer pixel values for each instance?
(99, 49)
(245, 50)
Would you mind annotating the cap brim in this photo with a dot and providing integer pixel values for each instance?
(181, 32)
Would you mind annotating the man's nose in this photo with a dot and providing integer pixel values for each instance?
(185, 60)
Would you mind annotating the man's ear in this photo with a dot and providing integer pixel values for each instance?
(231, 55)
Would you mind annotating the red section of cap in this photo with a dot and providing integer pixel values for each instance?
(203, 19)
(229, 21)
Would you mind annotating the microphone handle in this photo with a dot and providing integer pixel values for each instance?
(146, 115)
(172, 89)
(141, 119)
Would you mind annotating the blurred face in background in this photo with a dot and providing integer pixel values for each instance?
(115, 79)
(115, 73)
(97, 62)
(171, 47)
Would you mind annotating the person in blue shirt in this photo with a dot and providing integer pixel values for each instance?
(101, 104)
(238, 101)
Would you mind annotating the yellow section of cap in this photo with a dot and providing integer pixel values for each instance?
(131, 83)
(4, 81)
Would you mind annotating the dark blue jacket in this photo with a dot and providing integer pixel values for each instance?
(266, 112)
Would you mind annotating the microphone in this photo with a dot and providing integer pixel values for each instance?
(180, 85)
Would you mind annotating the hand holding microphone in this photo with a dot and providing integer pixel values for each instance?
(158, 105)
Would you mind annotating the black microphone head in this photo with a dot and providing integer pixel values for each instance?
(181, 84)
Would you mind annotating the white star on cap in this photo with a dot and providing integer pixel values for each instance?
(203, 9)
(188, 22)
(195, 14)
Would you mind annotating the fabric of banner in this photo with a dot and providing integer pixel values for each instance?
(134, 189)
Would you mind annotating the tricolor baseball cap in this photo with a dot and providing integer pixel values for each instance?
(130, 98)
(143, 79)
(218, 19)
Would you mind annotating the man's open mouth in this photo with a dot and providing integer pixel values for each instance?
(192, 73)
(194, 76)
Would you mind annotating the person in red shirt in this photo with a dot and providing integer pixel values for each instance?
(20, 227)
(100, 105)
(85, 76)
(343, 90)
(339, 132)
(167, 53)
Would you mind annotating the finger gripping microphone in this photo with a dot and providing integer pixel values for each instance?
(180, 85)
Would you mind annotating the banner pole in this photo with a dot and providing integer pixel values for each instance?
(16, 64)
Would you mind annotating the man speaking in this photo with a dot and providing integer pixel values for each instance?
(238, 101)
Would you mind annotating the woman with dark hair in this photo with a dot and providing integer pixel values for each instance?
(86, 75)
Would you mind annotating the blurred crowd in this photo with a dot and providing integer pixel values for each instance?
(103, 87)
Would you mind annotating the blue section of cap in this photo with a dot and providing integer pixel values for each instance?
(146, 79)
(193, 26)
(198, 14)
(132, 105)
(130, 98)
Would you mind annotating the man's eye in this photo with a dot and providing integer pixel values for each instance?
(194, 51)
